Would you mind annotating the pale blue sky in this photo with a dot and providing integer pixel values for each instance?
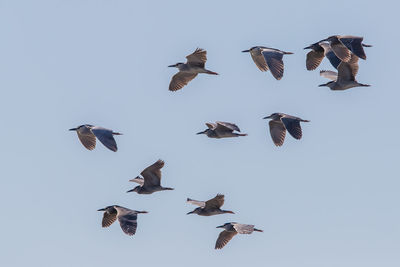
(331, 199)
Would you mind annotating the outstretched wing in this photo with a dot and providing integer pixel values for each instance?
(109, 217)
(277, 131)
(181, 79)
(243, 228)
(137, 180)
(223, 238)
(106, 137)
(87, 139)
(331, 75)
(314, 58)
(228, 126)
(292, 125)
(215, 203)
(259, 59)
(196, 202)
(197, 58)
(274, 62)
(152, 174)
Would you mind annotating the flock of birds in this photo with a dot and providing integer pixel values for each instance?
(342, 52)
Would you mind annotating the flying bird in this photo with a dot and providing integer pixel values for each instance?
(345, 78)
(281, 122)
(87, 135)
(151, 181)
(209, 207)
(221, 129)
(127, 218)
(230, 230)
(268, 58)
(345, 45)
(318, 52)
(194, 65)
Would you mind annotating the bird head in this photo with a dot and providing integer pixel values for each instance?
(226, 225)
(272, 116)
(195, 211)
(176, 65)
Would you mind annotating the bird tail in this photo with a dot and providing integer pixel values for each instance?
(305, 120)
(167, 188)
(242, 134)
(364, 85)
(211, 72)
(366, 45)
(258, 230)
(142, 211)
(116, 133)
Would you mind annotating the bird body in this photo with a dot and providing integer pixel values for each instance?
(194, 65)
(230, 230)
(209, 207)
(268, 58)
(151, 181)
(345, 77)
(127, 218)
(221, 130)
(87, 134)
(280, 122)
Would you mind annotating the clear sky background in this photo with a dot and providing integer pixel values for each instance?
(330, 199)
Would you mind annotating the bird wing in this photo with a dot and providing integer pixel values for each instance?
(228, 126)
(331, 75)
(333, 59)
(181, 79)
(259, 59)
(340, 50)
(197, 58)
(215, 203)
(223, 238)
(292, 125)
(211, 126)
(109, 217)
(87, 139)
(243, 228)
(196, 202)
(106, 137)
(354, 44)
(274, 62)
(137, 180)
(277, 131)
(128, 220)
(152, 174)
(347, 70)
(314, 58)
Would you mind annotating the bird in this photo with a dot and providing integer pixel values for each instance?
(209, 207)
(194, 65)
(345, 45)
(281, 122)
(87, 135)
(127, 218)
(345, 77)
(268, 58)
(221, 129)
(318, 52)
(230, 230)
(150, 182)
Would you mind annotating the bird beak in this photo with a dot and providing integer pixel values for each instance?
(244, 51)
(73, 129)
(101, 210)
(268, 117)
(321, 85)
(221, 226)
(132, 190)
(189, 213)
(308, 47)
(171, 66)
(201, 132)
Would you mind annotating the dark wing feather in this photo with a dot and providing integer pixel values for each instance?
(128, 223)
(292, 126)
(152, 174)
(275, 63)
(109, 218)
(354, 44)
(277, 131)
(106, 137)
(333, 59)
(88, 140)
(197, 58)
(181, 79)
(223, 238)
(340, 50)
(314, 58)
(228, 126)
